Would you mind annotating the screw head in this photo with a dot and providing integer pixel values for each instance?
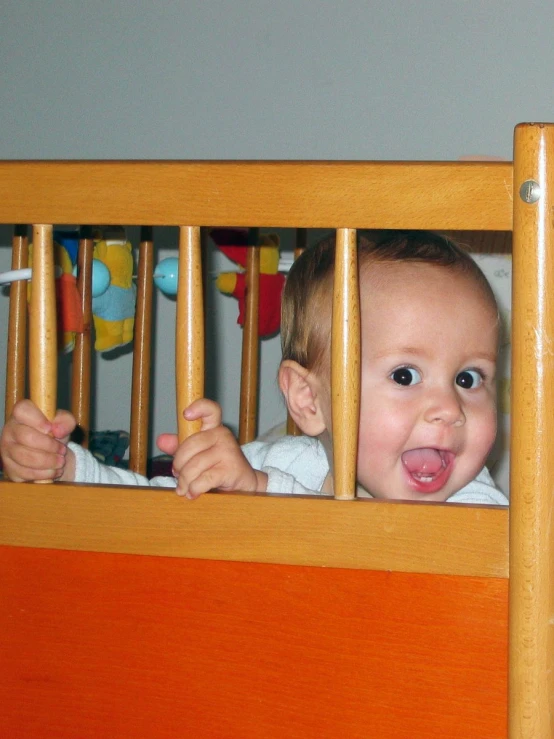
(530, 191)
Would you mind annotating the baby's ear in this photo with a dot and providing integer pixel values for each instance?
(300, 389)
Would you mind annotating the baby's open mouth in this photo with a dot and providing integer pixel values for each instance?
(427, 466)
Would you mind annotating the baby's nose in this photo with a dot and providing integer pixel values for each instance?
(445, 407)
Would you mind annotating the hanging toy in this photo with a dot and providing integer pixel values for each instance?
(233, 242)
(68, 302)
(113, 309)
(113, 291)
(66, 337)
(166, 276)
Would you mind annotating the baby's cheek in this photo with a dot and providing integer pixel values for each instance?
(377, 438)
(484, 434)
(490, 422)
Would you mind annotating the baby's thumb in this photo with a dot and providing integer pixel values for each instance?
(206, 411)
(63, 425)
(168, 443)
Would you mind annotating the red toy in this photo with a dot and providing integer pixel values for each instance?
(233, 242)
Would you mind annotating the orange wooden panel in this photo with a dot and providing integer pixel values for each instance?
(104, 645)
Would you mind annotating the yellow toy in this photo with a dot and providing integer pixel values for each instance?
(114, 310)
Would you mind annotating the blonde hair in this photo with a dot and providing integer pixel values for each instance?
(307, 295)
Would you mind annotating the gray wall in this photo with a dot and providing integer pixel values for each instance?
(293, 79)
(297, 79)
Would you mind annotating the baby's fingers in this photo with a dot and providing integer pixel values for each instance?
(219, 465)
(63, 425)
(200, 475)
(25, 412)
(28, 440)
(206, 410)
(22, 464)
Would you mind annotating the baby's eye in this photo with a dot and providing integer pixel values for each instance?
(469, 379)
(406, 376)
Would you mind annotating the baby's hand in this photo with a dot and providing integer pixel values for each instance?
(211, 458)
(34, 448)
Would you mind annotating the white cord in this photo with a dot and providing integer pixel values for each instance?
(15, 274)
(23, 274)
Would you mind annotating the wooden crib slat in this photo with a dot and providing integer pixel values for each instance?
(142, 356)
(301, 241)
(189, 333)
(436, 195)
(81, 374)
(250, 343)
(345, 364)
(532, 440)
(17, 327)
(43, 343)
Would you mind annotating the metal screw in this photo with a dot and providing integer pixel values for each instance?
(530, 191)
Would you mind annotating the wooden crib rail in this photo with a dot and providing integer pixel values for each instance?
(250, 343)
(189, 336)
(436, 195)
(345, 364)
(142, 355)
(532, 441)
(81, 374)
(17, 326)
(302, 530)
(43, 343)
(400, 548)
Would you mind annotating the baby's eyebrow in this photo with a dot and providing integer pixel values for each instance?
(399, 350)
(487, 356)
(411, 351)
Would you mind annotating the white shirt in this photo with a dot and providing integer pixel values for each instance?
(293, 464)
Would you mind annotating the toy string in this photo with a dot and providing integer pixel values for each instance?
(13, 275)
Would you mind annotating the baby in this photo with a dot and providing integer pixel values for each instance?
(430, 326)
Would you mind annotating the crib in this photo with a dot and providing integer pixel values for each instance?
(132, 613)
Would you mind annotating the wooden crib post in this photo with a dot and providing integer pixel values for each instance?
(43, 338)
(345, 364)
(142, 355)
(250, 343)
(189, 332)
(43, 344)
(17, 329)
(81, 374)
(301, 235)
(531, 675)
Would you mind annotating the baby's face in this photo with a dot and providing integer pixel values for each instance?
(428, 394)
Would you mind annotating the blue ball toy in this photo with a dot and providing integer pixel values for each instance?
(101, 277)
(166, 275)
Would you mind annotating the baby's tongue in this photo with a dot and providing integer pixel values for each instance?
(422, 461)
